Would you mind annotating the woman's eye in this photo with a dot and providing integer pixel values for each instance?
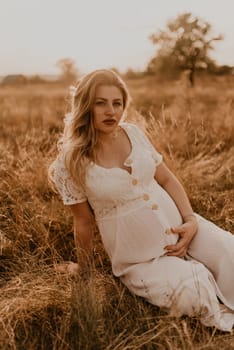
(102, 103)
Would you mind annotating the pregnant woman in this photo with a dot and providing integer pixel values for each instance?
(110, 174)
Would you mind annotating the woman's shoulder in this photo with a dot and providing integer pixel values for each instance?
(133, 129)
(58, 164)
(131, 126)
(69, 191)
(127, 124)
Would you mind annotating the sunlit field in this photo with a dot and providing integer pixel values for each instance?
(39, 309)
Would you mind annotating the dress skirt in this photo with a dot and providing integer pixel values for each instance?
(200, 285)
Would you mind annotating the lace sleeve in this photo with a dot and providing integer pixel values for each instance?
(143, 139)
(65, 185)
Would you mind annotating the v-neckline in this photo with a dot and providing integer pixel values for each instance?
(122, 126)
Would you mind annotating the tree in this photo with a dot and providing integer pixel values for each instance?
(69, 72)
(184, 45)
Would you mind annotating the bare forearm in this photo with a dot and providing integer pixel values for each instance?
(178, 194)
(188, 228)
(83, 234)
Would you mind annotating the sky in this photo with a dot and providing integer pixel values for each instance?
(35, 34)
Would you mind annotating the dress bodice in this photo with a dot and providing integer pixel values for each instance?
(110, 190)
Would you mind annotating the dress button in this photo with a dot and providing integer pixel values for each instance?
(134, 182)
(154, 206)
(128, 161)
(146, 197)
(168, 231)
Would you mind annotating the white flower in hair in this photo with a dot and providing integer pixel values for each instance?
(72, 90)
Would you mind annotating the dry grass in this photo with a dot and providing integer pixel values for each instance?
(42, 310)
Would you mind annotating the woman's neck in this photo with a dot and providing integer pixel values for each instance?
(108, 138)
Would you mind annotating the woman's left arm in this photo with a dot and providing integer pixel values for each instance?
(188, 229)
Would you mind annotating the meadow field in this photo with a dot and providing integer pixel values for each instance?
(42, 310)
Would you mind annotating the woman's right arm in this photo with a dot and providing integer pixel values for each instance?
(84, 227)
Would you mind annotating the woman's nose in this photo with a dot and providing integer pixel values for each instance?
(110, 109)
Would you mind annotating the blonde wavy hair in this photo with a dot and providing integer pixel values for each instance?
(77, 144)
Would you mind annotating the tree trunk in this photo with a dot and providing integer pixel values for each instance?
(192, 76)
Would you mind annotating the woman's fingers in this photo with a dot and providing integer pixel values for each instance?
(178, 248)
(69, 268)
(179, 253)
(174, 247)
(178, 229)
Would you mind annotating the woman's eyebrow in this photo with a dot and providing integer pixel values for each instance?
(105, 99)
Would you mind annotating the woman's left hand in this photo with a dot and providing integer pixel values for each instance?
(186, 233)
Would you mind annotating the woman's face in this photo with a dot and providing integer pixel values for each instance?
(108, 108)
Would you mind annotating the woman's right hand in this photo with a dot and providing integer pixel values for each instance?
(70, 268)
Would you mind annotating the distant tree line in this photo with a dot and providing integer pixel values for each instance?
(68, 74)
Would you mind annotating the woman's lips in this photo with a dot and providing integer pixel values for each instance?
(109, 121)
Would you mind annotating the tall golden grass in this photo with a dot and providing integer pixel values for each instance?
(40, 309)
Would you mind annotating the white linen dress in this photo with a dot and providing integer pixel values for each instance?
(134, 215)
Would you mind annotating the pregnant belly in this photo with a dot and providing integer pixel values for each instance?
(137, 237)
